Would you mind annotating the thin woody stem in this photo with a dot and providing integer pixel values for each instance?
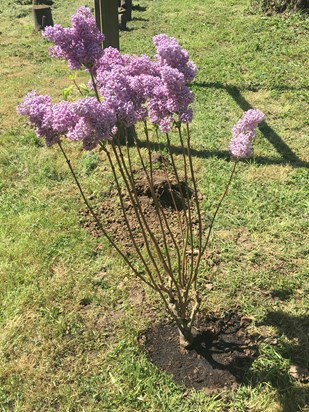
(218, 207)
(178, 216)
(95, 86)
(154, 196)
(173, 314)
(167, 270)
(158, 208)
(188, 200)
(185, 239)
(200, 228)
(108, 237)
(138, 211)
(129, 180)
(129, 174)
(215, 214)
(137, 248)
(170, 187)
(194, 310)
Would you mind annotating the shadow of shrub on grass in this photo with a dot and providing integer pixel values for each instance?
(274, 362)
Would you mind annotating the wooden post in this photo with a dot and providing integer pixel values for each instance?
(129, 10)
(42, 17)
(106, 14)
(127, 5)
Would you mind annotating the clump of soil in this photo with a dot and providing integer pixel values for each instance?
(169, 192)
(220, 356)
(173, 197)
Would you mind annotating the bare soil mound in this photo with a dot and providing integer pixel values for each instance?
(220, 356)
(174, 200)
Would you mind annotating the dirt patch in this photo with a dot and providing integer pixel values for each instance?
(174, 200)
(168, 192)
(220, 357)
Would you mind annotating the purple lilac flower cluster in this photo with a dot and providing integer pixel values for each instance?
(121, 94)
(95, 122)
(135, 86)
(132, 88)
(169, 53)
(244, 133)
(80, 45)
(170, 95)
(86, 120)
(50, 121)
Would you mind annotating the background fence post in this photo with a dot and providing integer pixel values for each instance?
(106, 15)
(42, 15)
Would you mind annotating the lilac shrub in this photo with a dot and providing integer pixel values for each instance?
(131, 89)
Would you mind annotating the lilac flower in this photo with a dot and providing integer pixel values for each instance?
(169, 53)
(109, 59)
(35, 107)
(241, 146)
(95, 121)
(79, 45)
(141, 65)
(113, 83)
(244, 132)
(131, 86)
(123, 94)
(248, 123)
(38, 108)
(62, 118)
(168, 97)
(50, 121)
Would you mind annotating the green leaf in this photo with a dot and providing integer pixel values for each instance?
(84, 88)
(73, 76)
(66, 92)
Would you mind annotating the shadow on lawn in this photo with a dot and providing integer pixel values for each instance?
(293, 396)
(139, 19)
(221, 154)
(137, 7)
(288, 156)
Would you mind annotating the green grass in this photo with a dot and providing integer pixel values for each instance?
(68, 315)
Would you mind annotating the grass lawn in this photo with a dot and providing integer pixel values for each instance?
(70, 311)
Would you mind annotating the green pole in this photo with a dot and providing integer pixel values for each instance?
(106, 14)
